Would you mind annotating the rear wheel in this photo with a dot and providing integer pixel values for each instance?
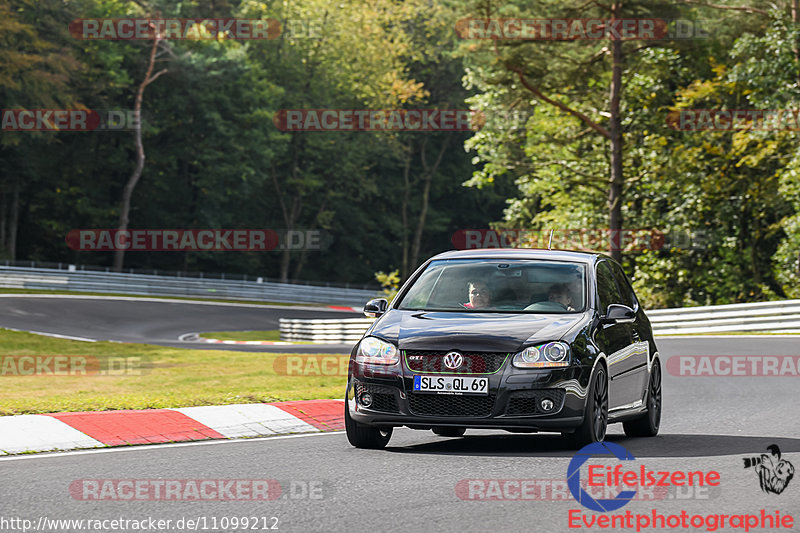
(647, 425)
(450, 431)
(363, 436)
(595, 418)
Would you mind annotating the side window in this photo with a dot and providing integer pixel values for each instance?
(626, 291)
(607, 292)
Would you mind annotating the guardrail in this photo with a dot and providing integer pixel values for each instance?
(193, 274)
(153, 285)
(781, 316)
(348, 330)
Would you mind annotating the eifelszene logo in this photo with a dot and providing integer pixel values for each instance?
(774, 473)
(574, 476)
(624, 475)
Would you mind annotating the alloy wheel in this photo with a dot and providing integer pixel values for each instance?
(600, 411)
(654, 397)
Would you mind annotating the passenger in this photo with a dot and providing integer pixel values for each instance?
(560, 294)
(479, 295)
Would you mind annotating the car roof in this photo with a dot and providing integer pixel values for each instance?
(522, 253)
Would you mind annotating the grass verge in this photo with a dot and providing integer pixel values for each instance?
(158, 377)
(268, 335)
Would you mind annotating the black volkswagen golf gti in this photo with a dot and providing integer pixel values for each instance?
(518, 340)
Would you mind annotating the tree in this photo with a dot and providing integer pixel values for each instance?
(333, 70)
(36, 58)
(569, 76)
(127, 191)
(721, 186)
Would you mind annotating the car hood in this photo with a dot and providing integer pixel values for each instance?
(490, 332)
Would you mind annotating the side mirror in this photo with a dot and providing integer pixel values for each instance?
(618, 314)
(375, 308)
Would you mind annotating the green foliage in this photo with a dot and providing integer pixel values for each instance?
(390, 283)
(161, 377)
(732, 191)
(215, 158)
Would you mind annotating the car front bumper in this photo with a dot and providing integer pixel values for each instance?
(513, 402)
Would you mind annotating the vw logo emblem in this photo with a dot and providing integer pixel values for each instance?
(453, 360)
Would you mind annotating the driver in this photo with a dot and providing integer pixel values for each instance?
(560, 293)
(479, 295)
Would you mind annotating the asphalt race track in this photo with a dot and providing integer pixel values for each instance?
(154, 321)
(418, 483)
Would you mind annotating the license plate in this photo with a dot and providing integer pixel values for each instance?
(451, 385)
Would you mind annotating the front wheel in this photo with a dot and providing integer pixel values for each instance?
(363, 436)
(648, 424)
(595, 418)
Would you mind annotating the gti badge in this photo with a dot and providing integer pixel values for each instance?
(453, 360)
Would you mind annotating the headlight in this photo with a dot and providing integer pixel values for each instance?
(549, 355)
(374, 351)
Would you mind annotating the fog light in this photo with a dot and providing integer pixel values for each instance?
(547, 405)
(366, 399)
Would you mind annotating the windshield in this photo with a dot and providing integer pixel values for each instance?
(527, 286)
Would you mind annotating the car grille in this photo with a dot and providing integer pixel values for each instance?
(383, 398)
(527, 402)
(474, 363)
(450, 405)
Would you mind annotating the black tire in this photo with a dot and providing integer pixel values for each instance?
(363, 436)
(648, 424)
(595, 416)
(450, 431)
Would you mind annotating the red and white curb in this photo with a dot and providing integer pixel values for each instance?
(71, 431)
(195, 337)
